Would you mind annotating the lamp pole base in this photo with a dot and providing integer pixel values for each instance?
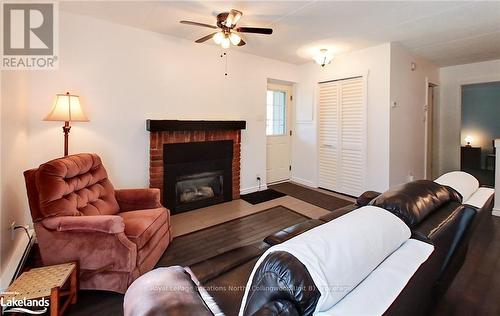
(66, 129)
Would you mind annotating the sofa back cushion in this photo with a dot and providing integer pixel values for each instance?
(464, 183)
(71, 186)
(414, 201)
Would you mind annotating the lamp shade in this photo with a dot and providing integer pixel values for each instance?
(66, 108)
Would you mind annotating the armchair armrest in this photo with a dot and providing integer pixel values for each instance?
(138, 199)
(97, 242)
(111, 224)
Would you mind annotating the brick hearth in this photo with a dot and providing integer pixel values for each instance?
(157, 139)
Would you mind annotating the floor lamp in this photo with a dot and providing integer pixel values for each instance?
(66, 109)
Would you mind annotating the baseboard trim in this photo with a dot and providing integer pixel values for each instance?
(253, 189)
(495, 212)
(303, 182)
(17, 259)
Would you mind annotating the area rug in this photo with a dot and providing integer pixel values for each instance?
(261, 196)
(203, 244)
(323, 200)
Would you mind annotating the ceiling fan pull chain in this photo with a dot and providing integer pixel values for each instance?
(224, 55)
(225, 74)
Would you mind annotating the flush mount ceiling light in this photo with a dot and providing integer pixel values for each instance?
(227, 30)
(324, 57)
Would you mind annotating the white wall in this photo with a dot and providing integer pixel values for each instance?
(126, 75)
(451, 79)
(407, 127)
(13, 161)
(374, 61)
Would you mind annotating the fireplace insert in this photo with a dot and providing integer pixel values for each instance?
(197, 174)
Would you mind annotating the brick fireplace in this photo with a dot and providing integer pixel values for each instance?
(163, 132)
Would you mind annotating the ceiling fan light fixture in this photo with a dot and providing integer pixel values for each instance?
(232, 18)
(226, 43)
(226, 32)
(324, 57)
(235, 39)
(218, 37)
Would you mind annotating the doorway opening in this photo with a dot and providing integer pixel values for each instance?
(278, 132)
(430, 133)
(479, 129)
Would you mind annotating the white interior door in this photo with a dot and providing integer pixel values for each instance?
(329, 135)
(278, 132)
(429, 111)
(342, 136)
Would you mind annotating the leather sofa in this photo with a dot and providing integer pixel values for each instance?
(435, 214)
(115, 235)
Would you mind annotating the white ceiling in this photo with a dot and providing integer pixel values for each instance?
(446, 33)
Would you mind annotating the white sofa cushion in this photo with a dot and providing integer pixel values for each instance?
(479, 198)
(380, 289)
(464, 183)
(340, 254)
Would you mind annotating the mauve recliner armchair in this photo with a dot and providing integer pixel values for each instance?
(115, 235)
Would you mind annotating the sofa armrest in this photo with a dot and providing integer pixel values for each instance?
(164, 291)
(138, 199)
(110, 224)
(276, 308)
(365, 198)
(338, 212)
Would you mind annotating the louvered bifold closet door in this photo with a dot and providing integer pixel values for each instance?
(328, 135)
(352, 135)
(342, 136)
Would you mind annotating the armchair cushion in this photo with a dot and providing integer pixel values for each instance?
(75, 185)
(111, 224)
(137, 199)
(141, 225)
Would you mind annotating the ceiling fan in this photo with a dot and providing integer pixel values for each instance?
(227, 33)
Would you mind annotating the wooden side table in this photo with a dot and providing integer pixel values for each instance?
(47, 282)
(470, 158)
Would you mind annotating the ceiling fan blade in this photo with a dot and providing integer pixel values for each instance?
(205, 38)
(198, 24)
(241, 43)
(256, 30)
(233, 17)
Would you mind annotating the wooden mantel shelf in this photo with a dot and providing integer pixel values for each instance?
(193, 125)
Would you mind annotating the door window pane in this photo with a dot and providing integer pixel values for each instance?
(276, 116)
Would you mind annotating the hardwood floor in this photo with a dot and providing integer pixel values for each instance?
(185, 223)
(323, 200)
(476, 288)
(212, 241)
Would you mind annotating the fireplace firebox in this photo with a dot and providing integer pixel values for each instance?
(197, 174)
